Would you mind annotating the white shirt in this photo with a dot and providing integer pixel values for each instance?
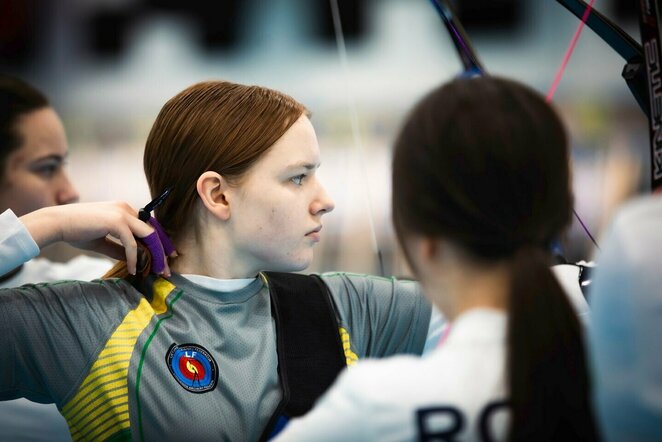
(568, 276)
(401, 398)
(16, 244)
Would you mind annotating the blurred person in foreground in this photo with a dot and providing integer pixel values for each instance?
(626, 327)
(481, 188)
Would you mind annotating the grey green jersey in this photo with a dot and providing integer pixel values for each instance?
(181, 362)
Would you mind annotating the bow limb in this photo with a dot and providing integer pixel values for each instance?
(463, 46)
(472, 65)
(642, 71)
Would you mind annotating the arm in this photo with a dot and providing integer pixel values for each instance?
(88, 226)
(383, 316)
(53, 332)
(16, 244)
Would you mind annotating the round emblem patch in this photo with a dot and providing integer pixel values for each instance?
(193, 367)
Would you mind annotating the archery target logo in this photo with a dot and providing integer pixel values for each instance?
(193, 367)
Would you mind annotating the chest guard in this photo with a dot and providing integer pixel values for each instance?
(310, 353)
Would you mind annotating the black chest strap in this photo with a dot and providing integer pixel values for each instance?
(310, 353)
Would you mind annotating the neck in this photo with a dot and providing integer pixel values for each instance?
(467, 286)
(214, 257)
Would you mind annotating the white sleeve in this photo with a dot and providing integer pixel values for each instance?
(435, 330)
(16, 244)
(339, 415)
(568, 277)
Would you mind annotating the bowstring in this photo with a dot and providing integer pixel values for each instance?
(354, 122)
(557, 79)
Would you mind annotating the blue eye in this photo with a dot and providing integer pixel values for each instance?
(298, 180)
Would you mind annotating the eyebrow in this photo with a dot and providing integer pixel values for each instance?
(307, 166)
(59, 159)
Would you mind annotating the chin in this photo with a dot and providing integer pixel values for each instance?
(290, 265)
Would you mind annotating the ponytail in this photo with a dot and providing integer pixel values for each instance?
(547, 370)
(120, 270)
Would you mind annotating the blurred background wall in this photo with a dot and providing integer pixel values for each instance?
(109, 65)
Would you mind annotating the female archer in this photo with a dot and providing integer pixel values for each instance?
(223, 348)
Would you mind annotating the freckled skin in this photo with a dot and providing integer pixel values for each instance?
(292, 205)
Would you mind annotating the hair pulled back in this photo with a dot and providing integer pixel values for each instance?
(215, 125)
(483, 162)
(17, 98)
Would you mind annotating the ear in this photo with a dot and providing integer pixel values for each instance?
(213, 191)
(430, 248)
(422, 250)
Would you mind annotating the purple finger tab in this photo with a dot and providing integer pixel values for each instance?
(168, 247)
(155, 248)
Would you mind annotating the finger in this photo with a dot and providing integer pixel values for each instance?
(166, 269)
(127, 208)
(107, 247)
(130, 248)
(156, 250)
(168, 247)
(128, 233)
(138, 228)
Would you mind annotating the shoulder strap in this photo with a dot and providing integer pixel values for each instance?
(310, 353)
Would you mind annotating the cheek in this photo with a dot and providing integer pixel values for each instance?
(25, 196)
(278, 240)
(276, 212)
(35, 198)
(36, 184)
(279, 225)
(283, 215)
(281, 233)
(274, 219)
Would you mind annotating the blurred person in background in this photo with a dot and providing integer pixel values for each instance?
(35, 211)
(33, 151)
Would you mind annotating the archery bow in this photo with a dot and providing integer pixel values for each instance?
(472, 66)
(642, 68)
(469, 58)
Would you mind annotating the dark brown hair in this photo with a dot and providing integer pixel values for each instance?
(215, 125)
(483, 163)
(17, 98)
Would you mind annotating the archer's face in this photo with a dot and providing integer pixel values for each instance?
(34, 175)
(277, 218)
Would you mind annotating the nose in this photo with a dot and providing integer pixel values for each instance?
(66, 193)
(323, 203)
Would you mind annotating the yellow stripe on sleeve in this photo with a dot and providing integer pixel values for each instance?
(99, 409)
(350, 357)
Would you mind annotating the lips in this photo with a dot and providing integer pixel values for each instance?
(315, 233)
(315, 230)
